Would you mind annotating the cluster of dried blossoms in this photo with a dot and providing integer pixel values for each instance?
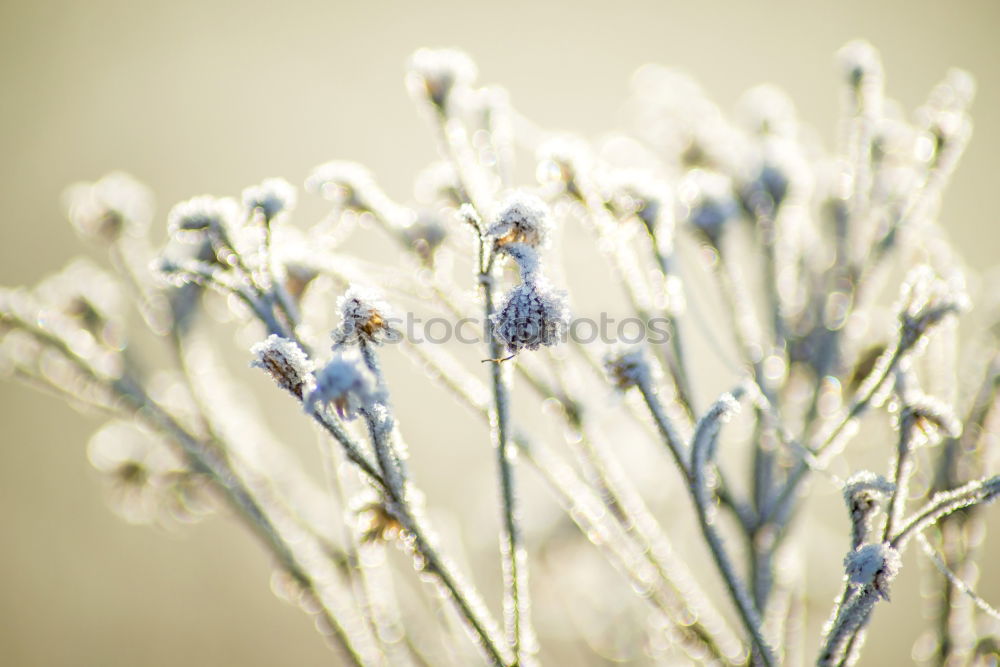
(740, 233)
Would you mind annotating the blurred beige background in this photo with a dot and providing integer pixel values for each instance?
(196, 97)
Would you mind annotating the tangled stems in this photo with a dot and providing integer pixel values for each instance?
(208, 458)
(398, 503)
(694, 474)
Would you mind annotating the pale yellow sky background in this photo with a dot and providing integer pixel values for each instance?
(199, 96)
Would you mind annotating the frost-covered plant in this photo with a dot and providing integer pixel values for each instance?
(740, 236)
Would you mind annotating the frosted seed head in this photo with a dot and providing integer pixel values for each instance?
(109, 207)
(637, 192)
(864, 493)
(436, 183)
(520, 218)
(434, 75)
(866, 488)
(874, 565)
(195, 218)
(271, 196)
(561, 161)
(346, 384)
(859, 61)
(365, 316)
(627, 367)
(426, 236)
(84, 293)
(346, 183)
(766, 110)
(352, 186)
(138, 468)
(708, 203)
(531, 315)
(286, 363)
(777, 172)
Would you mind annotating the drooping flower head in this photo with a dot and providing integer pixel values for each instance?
(520, 218)
(351, 185)
(83, 292)
(365, 317)
(426, 236)
(346, 384)
(434, 74)
(139, 468)
(191, 220)
(285, 362)
(627, 367)
(271, 196)
(708, 202)
(531, 315)
(860, 62)
(637, 192)
(109, 207)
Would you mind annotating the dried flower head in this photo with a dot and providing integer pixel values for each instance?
(627, 367)
(113, 205)
(346, 384)
(777, 171)
(365, 317)
(426, 236)
(561, 161)
(352, 186)
(766, 110)
(286, 363)
(531, 315)
(345, 182)
(271, 196)
(708, 203)
(86, 294)
(434, 74)
(864, 489)
(874, 565)
(191, 220)
(637, 192)
(859, 61)
(138, 466)
(520, 218)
